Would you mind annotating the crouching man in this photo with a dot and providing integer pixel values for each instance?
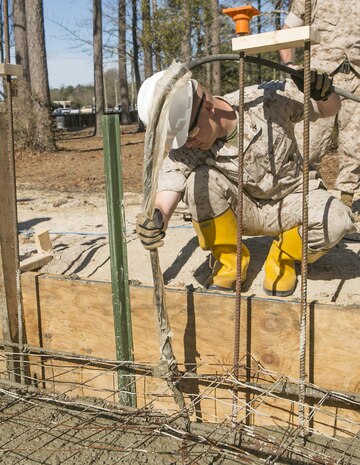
(201, 169)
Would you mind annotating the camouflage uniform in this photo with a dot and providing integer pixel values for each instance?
(339, 27)
(272, 175)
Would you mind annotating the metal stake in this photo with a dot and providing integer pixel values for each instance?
(118, 255)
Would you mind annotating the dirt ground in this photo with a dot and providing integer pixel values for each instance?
(64, 192)
(78, 164)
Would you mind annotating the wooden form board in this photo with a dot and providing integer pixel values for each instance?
(76, 316)
(36, 261)
(276, 40)
(7, 69)
(8, 261)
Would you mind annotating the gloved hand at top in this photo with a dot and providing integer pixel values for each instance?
(320, 84)
(151, 232)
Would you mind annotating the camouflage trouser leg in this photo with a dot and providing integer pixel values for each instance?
(349, 137)
(348, 121)
(209, 194)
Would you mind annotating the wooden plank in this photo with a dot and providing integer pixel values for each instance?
(35, 262)
(202, 327)
(43, 241)
(73, 315)
(7, 244)
(276, 40)
(76, 316)
(7, 69)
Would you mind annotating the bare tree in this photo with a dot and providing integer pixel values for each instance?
(98, 64)
(155, 49)
(1, 33)
(43, 133)
(22, 102)
(136, 66)
(125, 116)
(207, 45)
(185, 43)
(215, 47)
(146, 37)
(135, 45)
(258, 21)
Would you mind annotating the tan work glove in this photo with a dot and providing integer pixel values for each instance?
(151, 232)
(320, 84)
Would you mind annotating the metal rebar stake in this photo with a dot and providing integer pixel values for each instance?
(12, 172)
(239, 226)
(305, 225)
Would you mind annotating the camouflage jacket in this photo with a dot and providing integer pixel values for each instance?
(272, 161)
(339, 26)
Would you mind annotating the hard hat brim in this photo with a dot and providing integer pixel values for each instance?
(180, 115)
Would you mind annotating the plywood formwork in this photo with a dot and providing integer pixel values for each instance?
(76, 316)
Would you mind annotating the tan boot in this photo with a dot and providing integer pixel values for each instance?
(280, 274)
(220, 236)
(347, 199)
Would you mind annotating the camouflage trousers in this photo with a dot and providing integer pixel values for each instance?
(348, 123)
(209, 193)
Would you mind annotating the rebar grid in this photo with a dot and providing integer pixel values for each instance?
(38, 423)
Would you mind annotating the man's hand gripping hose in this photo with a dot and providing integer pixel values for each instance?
(150, 222)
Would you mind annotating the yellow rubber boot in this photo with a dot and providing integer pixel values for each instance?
(220, 236)
(280, 274)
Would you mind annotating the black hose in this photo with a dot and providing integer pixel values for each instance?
(264, 62)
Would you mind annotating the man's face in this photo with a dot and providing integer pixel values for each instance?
(201, 134)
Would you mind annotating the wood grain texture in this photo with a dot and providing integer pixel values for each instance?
(76, 316)
(7, 69)
(276, 40)
(35, 262)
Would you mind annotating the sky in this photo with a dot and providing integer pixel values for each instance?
(67, 64)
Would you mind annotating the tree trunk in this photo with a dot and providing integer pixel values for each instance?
(22, 101)
(185, 43)
(156, 51)
(141, 127)
(146, 37)
(43, 133)
(258, 19)
(125, 116)
(135, 45)
(98, 64)
(2, 58)
(215, 47)
(207, 52)
(278, 5)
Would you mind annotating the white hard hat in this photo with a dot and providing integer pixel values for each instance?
(179, 110)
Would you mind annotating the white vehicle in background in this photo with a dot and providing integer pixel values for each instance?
(86, 109)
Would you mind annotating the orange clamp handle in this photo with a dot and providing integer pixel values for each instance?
(242, 15)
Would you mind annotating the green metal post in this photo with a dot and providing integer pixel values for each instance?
(118, 255)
